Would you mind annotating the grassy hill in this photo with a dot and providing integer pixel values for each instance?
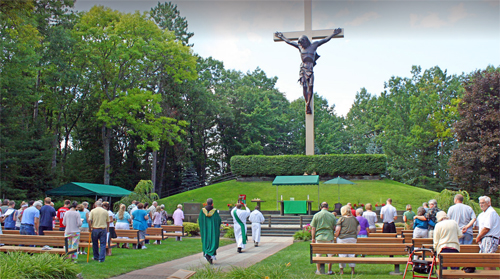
(364, 191)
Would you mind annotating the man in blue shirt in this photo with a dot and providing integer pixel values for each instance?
(30, 219)
(47, 215)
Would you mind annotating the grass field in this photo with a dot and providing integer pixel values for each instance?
(126, 260)
(293, 262)
(364, 191)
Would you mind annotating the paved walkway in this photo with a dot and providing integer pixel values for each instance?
(226, 257)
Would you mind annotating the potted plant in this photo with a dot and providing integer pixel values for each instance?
(377, 207)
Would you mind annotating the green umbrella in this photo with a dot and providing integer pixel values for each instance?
(339, 180)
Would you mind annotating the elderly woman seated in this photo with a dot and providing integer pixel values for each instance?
(347, 231)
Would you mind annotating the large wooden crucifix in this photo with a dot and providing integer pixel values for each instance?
(309, 56)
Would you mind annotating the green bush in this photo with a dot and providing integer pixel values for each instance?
(229, 232)
(191, 229)
(302, 235)
(45, 265)
(324, 165)
(445, 199)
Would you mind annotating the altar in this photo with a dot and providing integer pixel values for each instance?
(292, 206)
(295, 207)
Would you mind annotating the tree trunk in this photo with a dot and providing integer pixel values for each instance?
(162, 171)
(106, 142)
(153, 170)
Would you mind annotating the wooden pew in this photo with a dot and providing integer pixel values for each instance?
(155, 234)
(11, 241)
(398, 230)
(84, 238)
(171, 230)
(132, 237)
(469, 260)
(380, 249)
(393, 240)
(383, 235)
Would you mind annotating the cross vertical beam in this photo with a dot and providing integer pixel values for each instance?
(312, 34)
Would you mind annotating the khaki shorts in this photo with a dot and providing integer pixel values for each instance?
(324, 241)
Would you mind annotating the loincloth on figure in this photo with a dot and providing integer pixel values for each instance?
(306, 74)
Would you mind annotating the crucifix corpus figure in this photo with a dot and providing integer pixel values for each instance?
(308, 56)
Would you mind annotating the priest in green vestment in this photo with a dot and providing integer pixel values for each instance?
(209, 221)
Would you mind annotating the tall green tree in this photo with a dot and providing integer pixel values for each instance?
(414, 113)
(122, 52)
(475, 164)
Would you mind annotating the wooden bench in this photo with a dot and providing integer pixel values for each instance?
(469, 260)
(407, 236)
(155, 234)
(132, 237)
(383, 235)
(466, 248)
(172, 230)
(11, 232)
(84, 239)
(380, 240)
(11, 241)
(398, 230)
(379, 249)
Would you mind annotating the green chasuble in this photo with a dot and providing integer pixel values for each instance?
(209, 230)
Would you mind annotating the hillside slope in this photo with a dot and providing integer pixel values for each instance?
(364, 191)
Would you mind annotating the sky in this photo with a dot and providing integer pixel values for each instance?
(381, 39)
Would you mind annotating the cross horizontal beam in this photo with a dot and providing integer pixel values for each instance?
(312, 34)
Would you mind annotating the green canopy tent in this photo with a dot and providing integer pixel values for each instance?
(339, 180)
(80, 189)
(293, 180)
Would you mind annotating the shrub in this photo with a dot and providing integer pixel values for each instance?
(302, 235)
(445, 200)
(325, 165)
(191, 228)
(229, 232)
(23, 265)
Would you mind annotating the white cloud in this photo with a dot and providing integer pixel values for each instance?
(343, 12)
(363, 18)
(458, 13)
(254, 37)
(227, 50)
(433, 20)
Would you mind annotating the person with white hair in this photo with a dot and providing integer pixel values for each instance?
(446, 234)
(31, 219)
(152, 210)
(346, 231)
(178, 217)
(430, 217)
(489, 228)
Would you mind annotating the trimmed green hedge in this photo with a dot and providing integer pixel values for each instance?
(324, 165)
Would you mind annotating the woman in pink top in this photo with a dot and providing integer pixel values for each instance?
(157, 221)
(178, 216)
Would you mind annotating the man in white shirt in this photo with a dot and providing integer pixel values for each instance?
(465, 218)
(152, 210)
(257, 219)
(388, 214)
(489, 228)
(240, 227)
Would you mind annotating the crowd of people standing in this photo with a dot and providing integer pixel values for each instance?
(448, 230)
(33, 218)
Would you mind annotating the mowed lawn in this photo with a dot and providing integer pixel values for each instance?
(126, 260)
(293, 262)
(364, 191)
